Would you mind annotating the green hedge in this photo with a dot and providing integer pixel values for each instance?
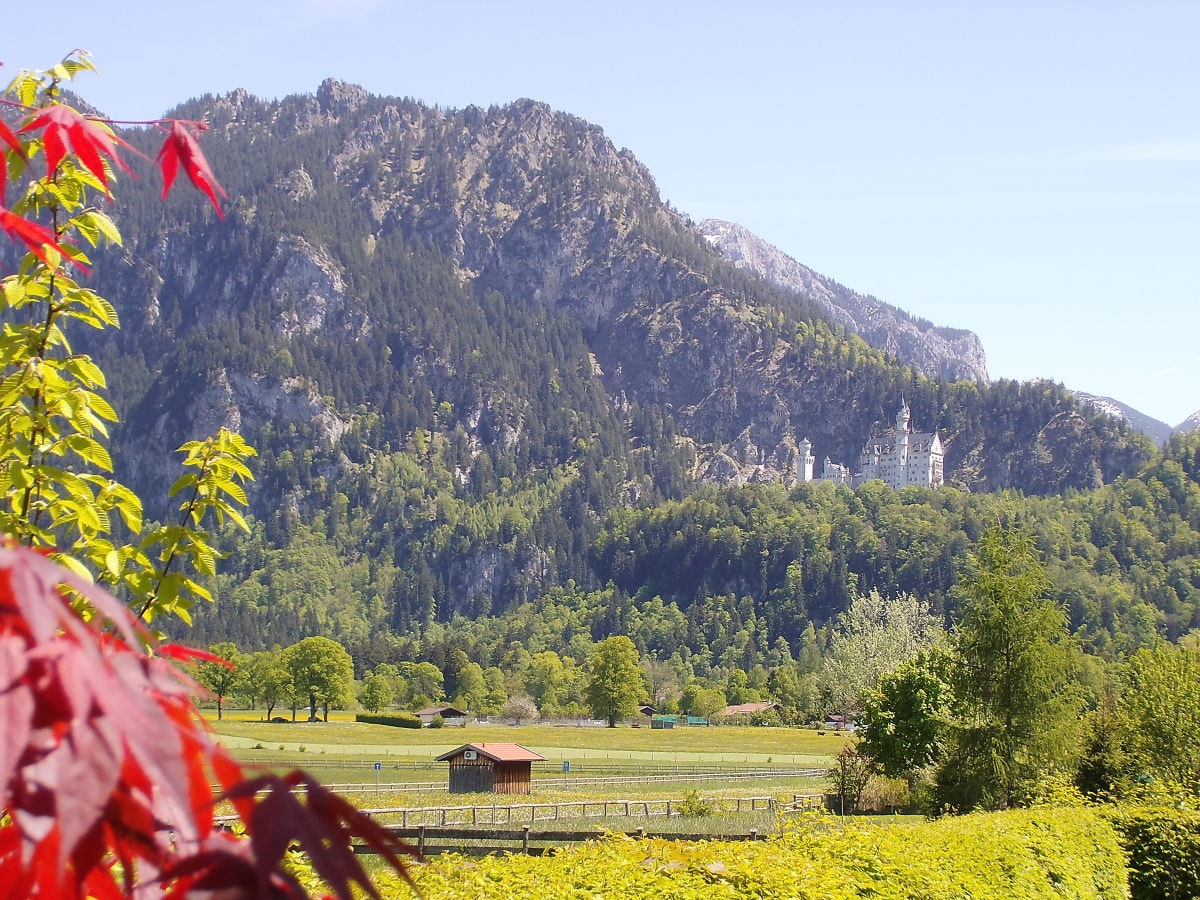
(396, 720)
(1050, 853)
(1163, 844)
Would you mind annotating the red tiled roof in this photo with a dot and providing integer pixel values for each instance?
(497, 751)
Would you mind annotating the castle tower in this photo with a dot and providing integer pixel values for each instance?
(903, 418)
(804, 466)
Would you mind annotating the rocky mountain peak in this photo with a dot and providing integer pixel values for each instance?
(952, 353)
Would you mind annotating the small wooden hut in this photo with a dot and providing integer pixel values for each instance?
(490, 768)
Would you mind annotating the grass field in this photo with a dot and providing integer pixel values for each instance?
(721, 745)
(344, 752)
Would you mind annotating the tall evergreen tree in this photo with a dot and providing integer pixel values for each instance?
(1017, 707)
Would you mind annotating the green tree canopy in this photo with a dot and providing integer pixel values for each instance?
(222, 678)
(1161, 705)
(323, 670)
(903, 722)
(1017, 707)
(615, 686)
(376, 693)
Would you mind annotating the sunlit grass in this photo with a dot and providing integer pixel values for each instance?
(582, 746)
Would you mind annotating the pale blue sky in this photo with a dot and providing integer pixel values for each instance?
(1028, 170)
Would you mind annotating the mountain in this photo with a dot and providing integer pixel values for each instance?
(1157, 430)
(1191, 423)
(936, 352)
(466, 343)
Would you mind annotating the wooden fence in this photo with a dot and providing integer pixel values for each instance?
(572, 780)
(446, 816)
(429, 840)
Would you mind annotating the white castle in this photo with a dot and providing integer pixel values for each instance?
(899, 457)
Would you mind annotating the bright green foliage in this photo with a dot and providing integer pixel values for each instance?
(267, 678)
(222, 680)
(705, 702)
(395, 720)
(1017, 709)
(496, 692)
(56, 489)
(555, 683)
(376, 693)
(472, 688)
(1017, 855)
(1163, 843)
(849, 775)
(903, 723)
(870, 639)
(322, 671)
(615, 686)
(1161, 708)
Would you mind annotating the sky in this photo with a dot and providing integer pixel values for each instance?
(1026, 170)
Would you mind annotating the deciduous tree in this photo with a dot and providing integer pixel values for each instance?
(323, 671)
(1161, 708)
(615, 686)
(903, 723)
(221, 674)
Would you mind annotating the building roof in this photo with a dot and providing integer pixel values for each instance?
(749, 709)
(497, 751)
(451, 711)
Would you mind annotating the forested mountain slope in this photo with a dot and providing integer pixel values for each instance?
(462, 340)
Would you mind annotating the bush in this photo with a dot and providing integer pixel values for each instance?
(1050, 853)
(395, 720)
(694, 807)
(437, 722)
(1163, 844)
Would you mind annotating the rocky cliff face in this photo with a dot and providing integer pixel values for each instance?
(950, 353)
(382, 259)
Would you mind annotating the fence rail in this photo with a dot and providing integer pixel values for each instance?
(480, 815)
(429, 840)
(445, 816)
(570, 780)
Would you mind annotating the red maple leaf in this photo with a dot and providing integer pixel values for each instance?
(88, 139)
(34, 236)
(14, 143)
(181, 146)
(105, 767)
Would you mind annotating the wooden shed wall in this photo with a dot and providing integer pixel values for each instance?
(512, 777)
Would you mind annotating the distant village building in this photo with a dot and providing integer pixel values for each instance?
(451, 716)
(899, 457)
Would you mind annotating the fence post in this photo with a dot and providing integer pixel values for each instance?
(525, 841)
(754, 834)
(421, 840)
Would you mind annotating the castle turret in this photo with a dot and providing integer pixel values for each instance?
(903, 418)
(804, 466)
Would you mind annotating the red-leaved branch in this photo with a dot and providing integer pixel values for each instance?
(105, 766)
(90, 141)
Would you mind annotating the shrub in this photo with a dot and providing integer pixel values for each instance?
(1047, 852)
(437, 722)
(1163, 844)
(395, 720)
(694, 807)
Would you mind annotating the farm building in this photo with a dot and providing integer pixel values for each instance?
(451, 715)
(490, 768)
(743, 712)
